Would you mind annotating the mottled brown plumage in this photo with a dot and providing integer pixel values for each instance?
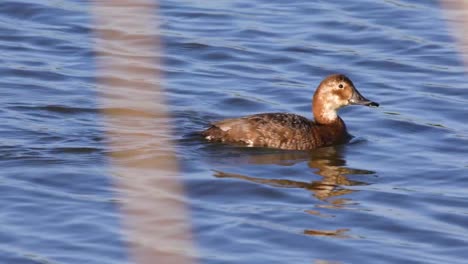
(290, 131)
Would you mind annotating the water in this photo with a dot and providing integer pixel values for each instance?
(395, 194)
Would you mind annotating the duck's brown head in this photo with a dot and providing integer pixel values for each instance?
(334, 92)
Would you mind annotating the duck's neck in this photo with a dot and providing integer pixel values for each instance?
(325, 115)
(331, 127)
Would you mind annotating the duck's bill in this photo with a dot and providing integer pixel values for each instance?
(358, 99)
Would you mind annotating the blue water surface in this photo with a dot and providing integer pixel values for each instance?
(395, 194)
(56, 197)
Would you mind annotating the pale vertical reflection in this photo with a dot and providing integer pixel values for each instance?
(138, 131)
(456, 12)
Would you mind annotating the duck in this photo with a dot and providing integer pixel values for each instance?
(291, 131)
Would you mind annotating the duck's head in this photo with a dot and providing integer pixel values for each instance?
(334, 92)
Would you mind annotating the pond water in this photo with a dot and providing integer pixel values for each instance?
(395, 194)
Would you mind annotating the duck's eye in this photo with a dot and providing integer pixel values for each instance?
(340, 86)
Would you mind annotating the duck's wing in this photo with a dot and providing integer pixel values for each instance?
(278, 130)
(281, 121)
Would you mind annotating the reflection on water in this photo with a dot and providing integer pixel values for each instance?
(340, 233)
(329, 163)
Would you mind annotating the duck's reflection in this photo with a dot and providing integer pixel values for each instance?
(329, 163)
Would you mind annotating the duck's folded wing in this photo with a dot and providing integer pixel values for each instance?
(269, 130)
(231, 130)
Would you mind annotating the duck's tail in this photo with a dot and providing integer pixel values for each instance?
(213, 133)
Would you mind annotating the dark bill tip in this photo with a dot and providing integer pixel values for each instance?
(363, 101)
(358, 99)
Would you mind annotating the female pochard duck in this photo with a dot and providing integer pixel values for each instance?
(295, 132)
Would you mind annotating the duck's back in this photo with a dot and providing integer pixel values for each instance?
(274, 130)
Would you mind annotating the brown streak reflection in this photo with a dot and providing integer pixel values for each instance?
(335, 233)
(328, 163)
